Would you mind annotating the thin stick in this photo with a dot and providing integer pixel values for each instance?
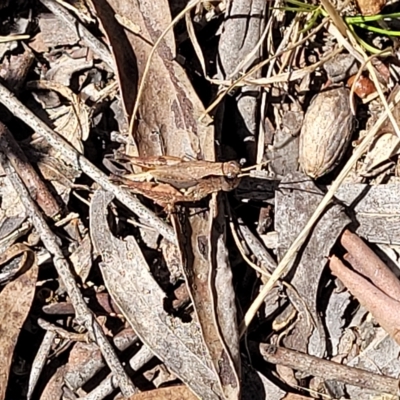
(36, 186)
(242, 251)
(83, 313)
(284, 265)
(329, 370)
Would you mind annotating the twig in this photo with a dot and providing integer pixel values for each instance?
(264, 273)
(105, 388)
(90, 40)
(83, 313)
(63, 333)
(256, 247)
(329, 370)
(11, 38)
(81, 163)
(286, 261)
(37, 189)
(39, 362)
(369, 265)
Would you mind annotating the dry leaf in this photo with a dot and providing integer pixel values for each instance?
(53, 32)
(81, 258)
(296, 200)
(209, 283)
(382, 149)
(128, 279)
(62, 69)
(54, 387)
(15, 302)
(13, 260)
(71, 121)
(169, 108)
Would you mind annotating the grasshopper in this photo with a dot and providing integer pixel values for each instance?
(181, 173)
(170, 180)
(167, 196)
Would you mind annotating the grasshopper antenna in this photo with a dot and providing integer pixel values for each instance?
(245, 170)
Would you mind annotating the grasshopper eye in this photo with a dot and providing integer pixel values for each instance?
(231, 169)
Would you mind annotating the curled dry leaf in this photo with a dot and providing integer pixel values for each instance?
(326, 132)
(71, 121)
(209, 283)
(381, 306)
(15, 303)
(371, 282)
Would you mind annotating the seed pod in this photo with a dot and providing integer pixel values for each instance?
(326, 132)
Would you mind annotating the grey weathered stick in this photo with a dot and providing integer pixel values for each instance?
(83, 313)
(90, 40)
(107, 386)
(40, 361)
(329, 369)
(81, 163)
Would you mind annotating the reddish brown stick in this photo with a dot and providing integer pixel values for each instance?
(37, 189)
(384, 308)
(368, 264)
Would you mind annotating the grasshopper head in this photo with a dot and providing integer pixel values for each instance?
(231, 169)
